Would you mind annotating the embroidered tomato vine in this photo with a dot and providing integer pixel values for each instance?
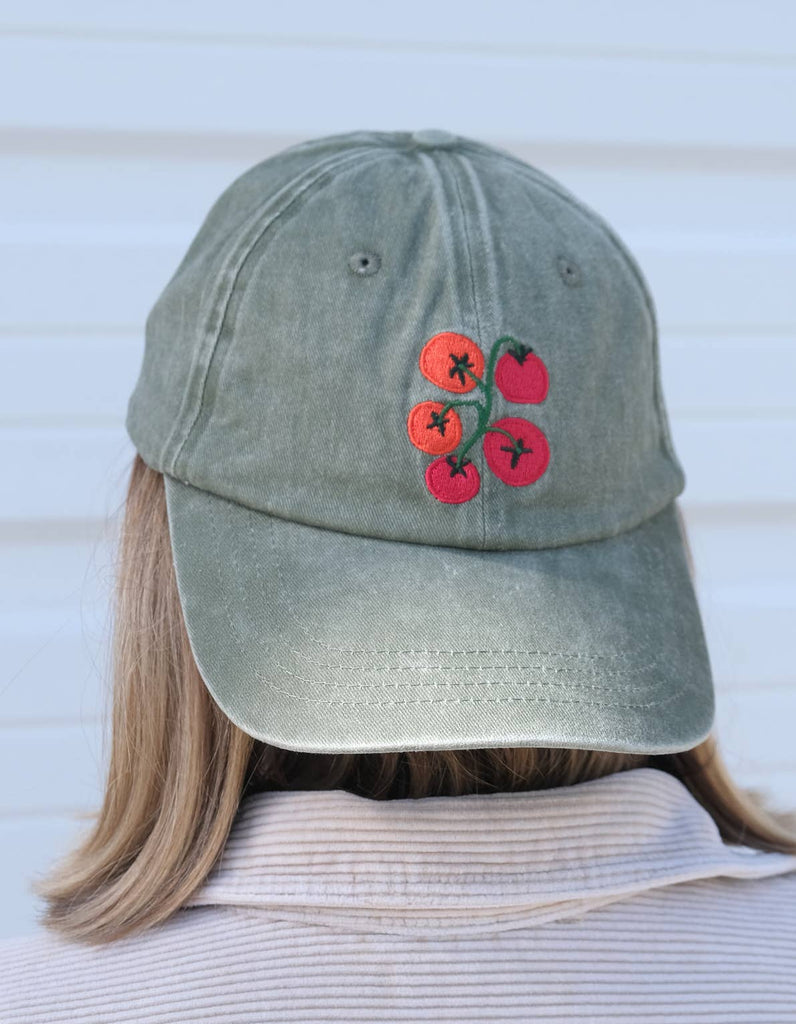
(515, 449)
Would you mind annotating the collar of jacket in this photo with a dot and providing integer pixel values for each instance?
(482, 861)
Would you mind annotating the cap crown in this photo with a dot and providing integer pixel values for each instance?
(285, 357)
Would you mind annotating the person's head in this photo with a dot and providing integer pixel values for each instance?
(402, 519)
(178, 767)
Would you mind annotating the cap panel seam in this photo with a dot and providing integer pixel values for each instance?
(480, 340)
(438, 181)
(491, 295)
(539, 178)
(239, 252)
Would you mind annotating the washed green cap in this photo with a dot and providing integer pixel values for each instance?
(404, 389)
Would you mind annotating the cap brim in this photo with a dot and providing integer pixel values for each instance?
(321, 641)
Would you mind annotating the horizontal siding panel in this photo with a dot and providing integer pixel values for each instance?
(59, 675)
(249, 147)
(31, 845)
(749, 639)
(716, 30)
(725, 374)
(88, 379)
(54, 574)
(57, 769)
(105, 282)
(56, 614)
(735, 460)
(732, 545)
(756, 728)
(74, 473)
(68, 380)
(776, 786)
(98, 286)
(659, 196)
(53, 670)
(68, 473)
(754, 731)
(198, 88)
(61, 194)
(55, 666)
(44, 571)
(720, 290)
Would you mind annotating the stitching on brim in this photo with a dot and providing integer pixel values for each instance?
(457, 683)
(246, 642)
(613, 657)
(588, 670)
(424, 650)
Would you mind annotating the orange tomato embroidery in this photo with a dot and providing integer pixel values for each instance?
(431, 432)
(452, 361)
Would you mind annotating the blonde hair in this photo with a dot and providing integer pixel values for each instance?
(178, 767)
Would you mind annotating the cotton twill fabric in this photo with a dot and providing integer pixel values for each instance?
(319, 640)
(276, 377)
(612, 900)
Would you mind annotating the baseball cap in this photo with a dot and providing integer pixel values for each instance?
(404, 390)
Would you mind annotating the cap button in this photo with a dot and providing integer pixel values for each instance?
(433, 137)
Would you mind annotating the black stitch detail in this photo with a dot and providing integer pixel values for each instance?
(457, 465)
(516, 451)
(460, 363)
(438, 422)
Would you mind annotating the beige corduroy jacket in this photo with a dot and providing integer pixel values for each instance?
(611, 900)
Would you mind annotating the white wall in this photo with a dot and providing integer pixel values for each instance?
(120, 124)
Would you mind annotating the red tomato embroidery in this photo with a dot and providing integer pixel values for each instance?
(515, 449)
(452, 361)
(451, 481)
(431, 432)
(520, 461)
(522, 376)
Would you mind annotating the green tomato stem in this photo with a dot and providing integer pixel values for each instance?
(500, 430)
(451, 405)
(485, 409)
(469, 373)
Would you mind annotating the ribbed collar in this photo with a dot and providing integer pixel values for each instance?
(470, 863)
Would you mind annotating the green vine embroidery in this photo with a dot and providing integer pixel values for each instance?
(454, 362)
(485, 407)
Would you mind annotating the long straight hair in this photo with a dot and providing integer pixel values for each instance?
(178, 767)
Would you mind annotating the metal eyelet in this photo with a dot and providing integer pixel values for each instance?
(569, 271)
(364, 263)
